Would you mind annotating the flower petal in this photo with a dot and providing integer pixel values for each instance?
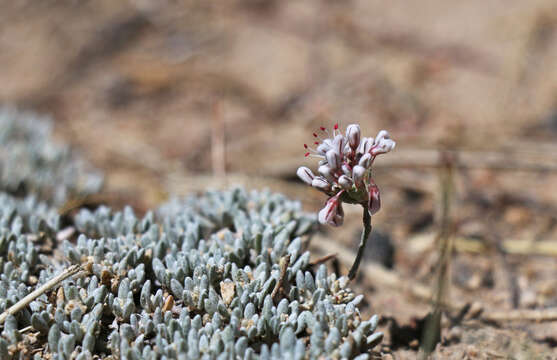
(320, 183)
(358, 173)
(365, 146)
(333, 159)
(345, 182)
(383, 134)
(383, 144)
(305, 174)
(327, 173)
(323, 148)
(338, 143)
(365, 160)
(346, 169)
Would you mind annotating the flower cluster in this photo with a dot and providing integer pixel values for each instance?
(345, 170)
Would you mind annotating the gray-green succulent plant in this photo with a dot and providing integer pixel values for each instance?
(222, 275)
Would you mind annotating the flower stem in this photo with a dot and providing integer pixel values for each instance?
(365, 235)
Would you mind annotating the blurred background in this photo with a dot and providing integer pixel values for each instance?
(175, 97)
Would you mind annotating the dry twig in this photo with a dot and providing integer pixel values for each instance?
(284, 262)
(322, 259)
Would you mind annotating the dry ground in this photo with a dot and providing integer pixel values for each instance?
(168, 96)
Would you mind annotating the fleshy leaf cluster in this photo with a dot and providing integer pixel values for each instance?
(222, 275)
(31, 163)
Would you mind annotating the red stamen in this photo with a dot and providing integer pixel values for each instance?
(336, 126)
(306, 146)
(322, 128)
(307, 154)
(314, 135)
(316, 143)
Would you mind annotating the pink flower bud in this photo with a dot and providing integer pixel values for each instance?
(345, 182)
(365, 160)
(353, 135)
(333, 159)
(305, 174)
(332, 214)
(321, 183)
(374, 200)
(327, 173)
(358, 173)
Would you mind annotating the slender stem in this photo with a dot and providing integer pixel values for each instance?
(365, 235)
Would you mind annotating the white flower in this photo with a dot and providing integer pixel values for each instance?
(345, 169)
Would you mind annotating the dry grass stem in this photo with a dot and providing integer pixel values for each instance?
(424, 242)
(218, 146)
(537, 315)
(432, 333)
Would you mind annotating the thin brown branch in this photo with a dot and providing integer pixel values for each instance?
(284, 262)
(322, 259)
